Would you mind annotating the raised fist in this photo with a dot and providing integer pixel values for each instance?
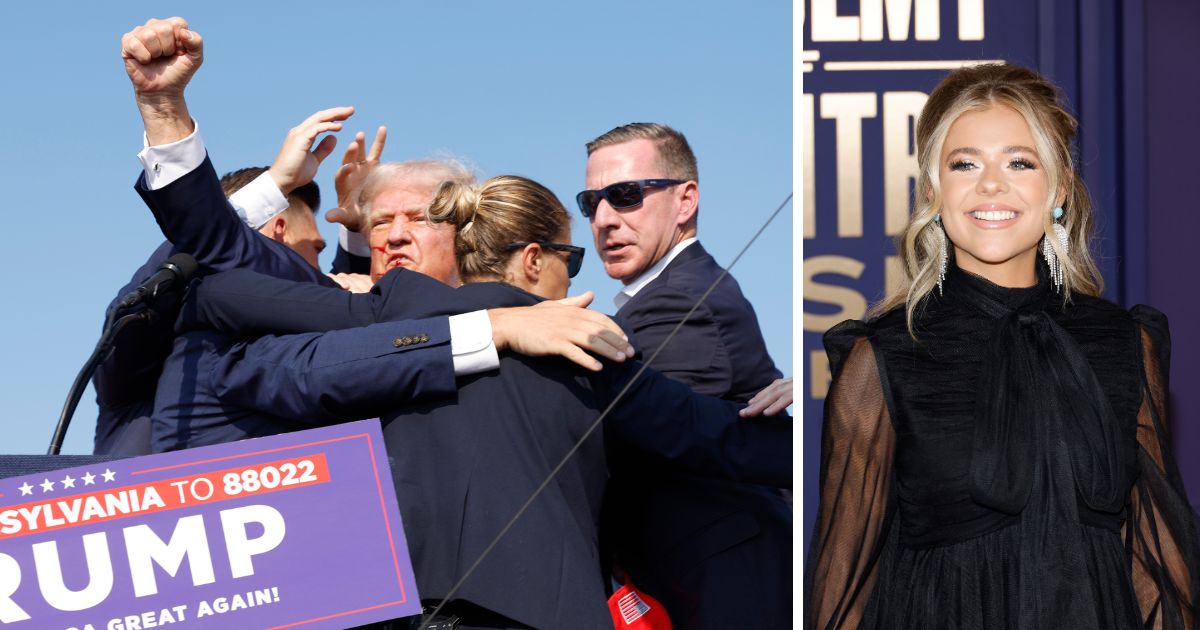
(161, 56)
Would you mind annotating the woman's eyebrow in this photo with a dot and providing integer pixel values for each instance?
(1016, 148)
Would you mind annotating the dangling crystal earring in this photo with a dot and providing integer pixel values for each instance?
(944, 258)
(1052, 261)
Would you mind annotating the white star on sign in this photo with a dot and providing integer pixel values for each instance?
(47, 485)
(25, 489)
(89, 479)
(68, 482)
(109, 475)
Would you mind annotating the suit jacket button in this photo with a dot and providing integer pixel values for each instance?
(422, 338)
(400, 341)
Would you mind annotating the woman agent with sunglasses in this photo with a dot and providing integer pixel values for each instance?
(510, 229)
(995, 450)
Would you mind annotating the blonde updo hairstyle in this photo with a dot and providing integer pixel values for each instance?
(1053, 127)
(490, 216)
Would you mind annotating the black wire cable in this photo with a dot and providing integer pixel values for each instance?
(591, 429)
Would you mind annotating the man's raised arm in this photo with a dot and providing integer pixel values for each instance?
(161, 56)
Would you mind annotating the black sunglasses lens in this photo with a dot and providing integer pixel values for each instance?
(574, 263)
(624, 194)
(587, 201)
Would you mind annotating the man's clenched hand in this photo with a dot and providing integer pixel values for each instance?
(160, 58)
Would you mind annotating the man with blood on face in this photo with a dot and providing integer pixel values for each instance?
(394, 199)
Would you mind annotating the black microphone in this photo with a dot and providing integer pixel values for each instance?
(169, 281)
(174, 274)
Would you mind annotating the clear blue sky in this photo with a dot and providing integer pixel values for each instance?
(511, 87)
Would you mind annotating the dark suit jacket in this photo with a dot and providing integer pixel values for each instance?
(126, 380)
(716, 554)
(464, 466)
(345, 262)
(196, 218)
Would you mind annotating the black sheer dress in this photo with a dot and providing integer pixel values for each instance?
(1009, 468)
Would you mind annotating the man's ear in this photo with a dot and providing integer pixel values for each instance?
(274, 228)
(689, 202)
(278, 228)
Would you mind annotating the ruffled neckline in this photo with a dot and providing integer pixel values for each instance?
(994, 300)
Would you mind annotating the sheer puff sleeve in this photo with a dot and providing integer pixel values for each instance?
(1160, 533)
(857, 445)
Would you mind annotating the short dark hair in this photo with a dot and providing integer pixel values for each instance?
(675, 156)
(234, 181)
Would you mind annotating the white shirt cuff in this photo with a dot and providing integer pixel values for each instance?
(471, 343)
(165, 163)
(357, 244)
(259, 201)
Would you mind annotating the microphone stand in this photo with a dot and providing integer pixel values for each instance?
(103, 346)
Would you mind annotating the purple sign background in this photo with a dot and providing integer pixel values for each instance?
(343, 559)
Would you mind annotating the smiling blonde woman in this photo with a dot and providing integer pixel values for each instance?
(995, 450)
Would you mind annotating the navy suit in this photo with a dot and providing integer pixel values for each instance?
(196, 218)
(463, 466)
(716, 554)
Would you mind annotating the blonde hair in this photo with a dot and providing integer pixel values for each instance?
(419, 174)
(1053, 128)
(489, 217)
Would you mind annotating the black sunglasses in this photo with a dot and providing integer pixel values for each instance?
(574, 254)
(620, 195)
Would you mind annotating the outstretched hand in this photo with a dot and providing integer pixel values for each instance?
(298, 161)
(161, 56)
(560, 328)
(773, 399)
(357, 164)
(353, 282)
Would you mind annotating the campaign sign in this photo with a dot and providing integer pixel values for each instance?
(296, 530)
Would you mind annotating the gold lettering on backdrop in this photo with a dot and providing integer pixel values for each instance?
(851, 303)
(819, 375)
(899, 16)
(849, 109)
(924, 15)
(900, 112)
(810, 167)
(970, 20)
